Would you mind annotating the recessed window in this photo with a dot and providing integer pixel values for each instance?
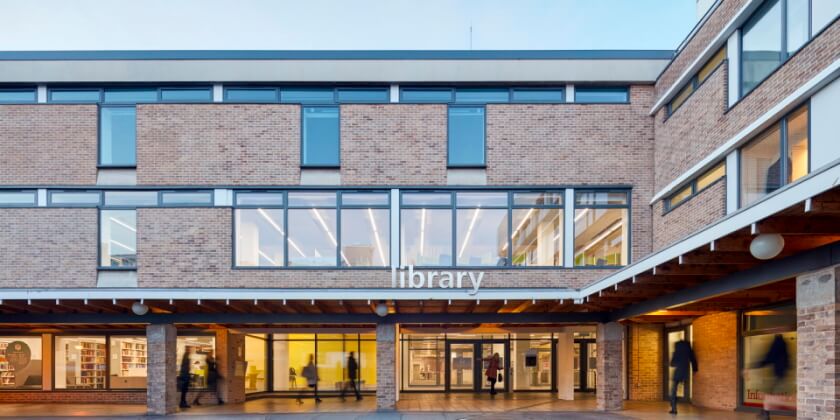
(307, 96)
(410, 95)
(131, 96)
(18, 198)
(680, 196)
(75, 198)
(711, 176)
(186, 95)
(380, 95)
(251, 95)
(763, 170)
(695, 186)
(17, 96)
(117, 136)
(535, 95)
(711, 65)
(131, 198)
(21, 362)
(466, 136)
(259, 199)
(118, 238)
(601, 95)
(186, 198)
(601, 229)
(320, 137)
(75, 95)
(481, 96)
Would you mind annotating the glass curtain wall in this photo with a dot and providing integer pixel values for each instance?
(194, 351)
(292, 352)
(532, 362)
(256, 359)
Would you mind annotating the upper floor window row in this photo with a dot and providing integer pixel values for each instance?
(307, 95)
(18, 96)
(130, 95)
(770, 36)
(456, 95)
(697, 80)
(107, 198)
(695, 186)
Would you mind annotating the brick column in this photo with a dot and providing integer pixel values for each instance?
(230, 352)
(609, 387)
(161, 369)
(817, 344)
(386, 366)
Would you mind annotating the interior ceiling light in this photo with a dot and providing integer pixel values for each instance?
(767, 246)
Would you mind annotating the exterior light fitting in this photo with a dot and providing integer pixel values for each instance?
(139, 308)
(381, 309)
(767, 245)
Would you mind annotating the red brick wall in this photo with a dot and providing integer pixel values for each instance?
(690, 216)
(98, 397)
(578, 144)
(48, 144)
(703, 123)
(34, 243)
(710, 29)
(393, 144)
(645, 362)
(192, 248)
(194, 144)
(715, 341)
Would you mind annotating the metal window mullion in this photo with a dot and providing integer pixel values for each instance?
(338, 252)
(285, 208)
(568, 228)
(509, 239)
(395, 233)
(454, 224)
(783, 153)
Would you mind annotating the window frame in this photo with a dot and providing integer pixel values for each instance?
(511, 91)
(668, 205)
(783, 142)
(32, 191)
(513, 206)
(628, 206)
(33, 90)
(695, 81)
(99, 266)
(334, 93)
(107, 335)
(785, 55)
(99, 109)
(449, 164)
(603, 88)
(304, 165)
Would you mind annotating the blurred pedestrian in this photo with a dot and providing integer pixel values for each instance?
(492, 372)
(352, 371)
(310, 372)
(680, 361)
(184, 379)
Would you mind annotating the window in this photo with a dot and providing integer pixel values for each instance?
(130, 96)
(21, 362)
(426, 229)
(256, 358)
(538, 95)
(696, 185)
(75, 95)
(601, 229)
(81, 362)
(195, 354)
(481, 229)
(291, 352)
(117, 136)
(312, 230)
(131, 198)
(481, 96)
(711, 65)
(379, 95)
(251, 95)
(320, 137)
(17, 96)
(771, 35)
(762, 168)
(762, 328)
(601, 95)
(311, 96)
(697, 80)
(420, 95)
(260, 238)
(18, 198)
(186, 198)
(537, 225)
(74, 198)
(118, 238)
(128, 362)
(365, 230)
(186, 95)
(466, 136)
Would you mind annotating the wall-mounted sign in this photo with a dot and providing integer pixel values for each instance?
(441, 279)
(18, 355)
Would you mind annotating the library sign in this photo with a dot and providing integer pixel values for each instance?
(18, 355)
(402, 278)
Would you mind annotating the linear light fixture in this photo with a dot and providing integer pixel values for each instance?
(469, 232)
(376, 236)
(522, 223)
(601, 236)
(262, 254)
(123, 224)
(120, 244)
(274, 224)
(580, 215)
(422, 230)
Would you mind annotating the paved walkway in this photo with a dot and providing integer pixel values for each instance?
(411, 407)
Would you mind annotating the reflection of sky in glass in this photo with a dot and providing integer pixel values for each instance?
(426, 237)
(365, 237)
(466, 136)
(482, 237)
(259, 237)
(119, 238)
(118, 135)
(314, 232)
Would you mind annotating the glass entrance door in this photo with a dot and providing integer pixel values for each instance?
(584, 367)
(467, 362)
(672, 337)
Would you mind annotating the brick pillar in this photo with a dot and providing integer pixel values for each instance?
(230, 353)
(609, 387)
(386, 366)
(161, 369)
(817, 344)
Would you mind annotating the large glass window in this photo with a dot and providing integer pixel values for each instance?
(80, 362)
(320, 137)
(482, 229)
(256, 356)
(365, 230)
(537, 225)
(118, 238)
(766, 329)
(776, 30)
(531, 370)
(128, 362)
(313, 230)
(466, 136)
(21, 362)
(426, 229)
(423, 364)
(330, 352)
(601, 229)
(117, 136)
(762, 168)
(195, 352)
(260, 237)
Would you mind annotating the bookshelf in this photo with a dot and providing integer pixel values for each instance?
(92, 359)
(7, 372)
(132, 357)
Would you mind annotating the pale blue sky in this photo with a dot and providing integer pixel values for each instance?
(344, 24)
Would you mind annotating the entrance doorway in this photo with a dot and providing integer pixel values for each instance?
(585, 369)
(467, 361)
(672, 336)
